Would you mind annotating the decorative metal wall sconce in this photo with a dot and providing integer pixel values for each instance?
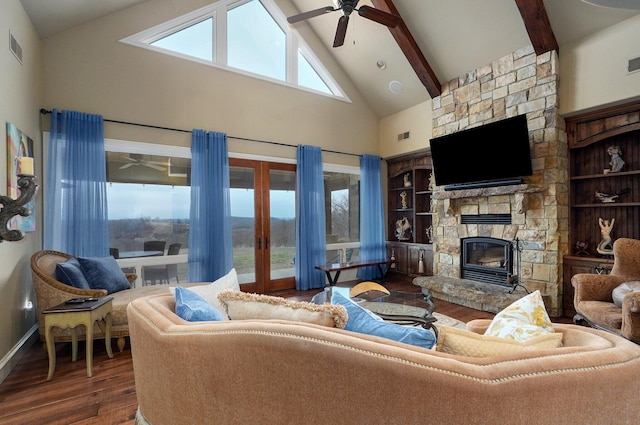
(13, 207)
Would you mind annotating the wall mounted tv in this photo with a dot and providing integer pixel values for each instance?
(495, 154)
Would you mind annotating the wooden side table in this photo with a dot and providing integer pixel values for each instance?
(70, 315)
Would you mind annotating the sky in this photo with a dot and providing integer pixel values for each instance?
(129, 201)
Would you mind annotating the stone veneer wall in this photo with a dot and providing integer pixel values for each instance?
(519, 83)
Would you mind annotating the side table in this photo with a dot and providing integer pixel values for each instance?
(71, 315)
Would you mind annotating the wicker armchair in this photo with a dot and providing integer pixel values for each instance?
(49, 292)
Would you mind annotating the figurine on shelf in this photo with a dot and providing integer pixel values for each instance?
(421, 262)
(607, 198)
(407, 182)
(582, 248)
(403, 200)
(432, 182)
(605, 247)
(403, 229)
(429, 232)
(616, 162)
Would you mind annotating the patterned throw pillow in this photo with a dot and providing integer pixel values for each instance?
(522, 320)
(242, 305)
(461, 342)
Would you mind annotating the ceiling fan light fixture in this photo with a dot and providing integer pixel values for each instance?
(381, 64)
(396, 87)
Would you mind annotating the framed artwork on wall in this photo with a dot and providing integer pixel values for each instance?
(19, 145)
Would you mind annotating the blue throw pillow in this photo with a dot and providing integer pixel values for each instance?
(70, 273)
(104, 273)
(193, 308)
(360, 321)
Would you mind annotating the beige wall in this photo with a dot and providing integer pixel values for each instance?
(416, 120)
(593, 71)
(19, 103)
(88, 69)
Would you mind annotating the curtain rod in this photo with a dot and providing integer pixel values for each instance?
(48, 112)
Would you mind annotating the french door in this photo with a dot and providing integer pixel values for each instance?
(263, 198)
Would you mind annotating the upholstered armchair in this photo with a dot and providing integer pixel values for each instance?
(593, 293)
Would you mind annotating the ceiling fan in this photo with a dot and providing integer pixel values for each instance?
(348, 6)
(136, 159)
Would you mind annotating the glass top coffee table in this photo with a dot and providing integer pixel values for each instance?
(405, 308)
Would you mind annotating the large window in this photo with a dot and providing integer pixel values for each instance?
(148, 196)
(248, 36)
(342, 211)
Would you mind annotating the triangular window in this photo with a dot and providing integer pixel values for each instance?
(248, 36)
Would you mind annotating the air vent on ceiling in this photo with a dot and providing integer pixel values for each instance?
(634, 64)
(15, 48)
(403, 136)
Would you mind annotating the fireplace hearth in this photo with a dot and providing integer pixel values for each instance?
(487, 260)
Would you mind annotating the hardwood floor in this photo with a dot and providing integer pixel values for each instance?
(109, 397)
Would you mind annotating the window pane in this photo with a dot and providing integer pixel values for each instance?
(282, 224)
(148, 198)
(255, 41)
(243, 229)
(196, 40)
(308, 77)
(343, 207)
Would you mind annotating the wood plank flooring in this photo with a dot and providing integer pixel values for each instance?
(109, 397)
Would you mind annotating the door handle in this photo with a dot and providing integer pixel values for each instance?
(266, 243)
(259, 242)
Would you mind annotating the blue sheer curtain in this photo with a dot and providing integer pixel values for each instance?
(75, 219)
(372, 228)
(210, 245)
(311, 243)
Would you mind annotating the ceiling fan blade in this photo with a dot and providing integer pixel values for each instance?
(124, 167)
(379, 16)
(341, 31)
(310, 14)
(155, 167)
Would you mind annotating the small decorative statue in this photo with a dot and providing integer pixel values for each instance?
(605, 247)
(407, 182)
(403, 200)
(616, 162)
(432, 182)
(403, 229)
(429, 232)
(582, 248)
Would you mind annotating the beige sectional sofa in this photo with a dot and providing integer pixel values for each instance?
(284, 372)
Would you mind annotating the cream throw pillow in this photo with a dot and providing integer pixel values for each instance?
(522, 320)
(242, 305)
(210, 292)
(461, 342)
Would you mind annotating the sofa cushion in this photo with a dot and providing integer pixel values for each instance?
(623, 289)
(241, 306)
(461, 342)
(210, 292)
(104, 273)
(70, 273)
(524, 319)
(193, 308)
(359, 321)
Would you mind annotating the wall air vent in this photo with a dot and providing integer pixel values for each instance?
(634, 64)
(15, 48)
(403, 136)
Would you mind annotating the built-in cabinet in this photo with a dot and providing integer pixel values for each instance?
(600, 197)
(409, 221)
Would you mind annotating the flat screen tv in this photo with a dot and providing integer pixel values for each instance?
(495, 154)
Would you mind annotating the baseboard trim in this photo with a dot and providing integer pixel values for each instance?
(12, 358)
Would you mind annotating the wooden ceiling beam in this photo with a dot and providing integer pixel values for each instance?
(411, 50)
(536, 21)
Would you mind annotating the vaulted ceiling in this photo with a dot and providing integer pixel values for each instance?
(436, 41)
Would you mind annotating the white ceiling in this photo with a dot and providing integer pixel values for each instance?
(455, 36)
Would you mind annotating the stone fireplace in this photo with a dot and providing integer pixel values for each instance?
(536, 211)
